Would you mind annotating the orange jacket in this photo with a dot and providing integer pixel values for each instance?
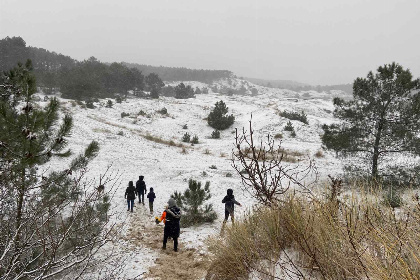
(163, 217)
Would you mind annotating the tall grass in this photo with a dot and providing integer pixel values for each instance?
(357, 238)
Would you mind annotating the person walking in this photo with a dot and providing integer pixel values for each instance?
(151, 196)
(130, 195)
(229, 201)
(171, 217)
(141, 189)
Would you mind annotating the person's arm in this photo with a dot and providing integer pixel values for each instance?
(145, 189)
(125, 195)
(224, 199)
(237, 203)
(173, 214)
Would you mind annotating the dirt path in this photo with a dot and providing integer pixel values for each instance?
(186, 264)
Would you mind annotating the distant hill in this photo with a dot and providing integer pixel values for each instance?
(297, 86)
(171, 74)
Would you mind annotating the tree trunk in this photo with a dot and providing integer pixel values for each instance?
(375, 156)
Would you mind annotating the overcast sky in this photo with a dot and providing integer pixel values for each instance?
(311, 41)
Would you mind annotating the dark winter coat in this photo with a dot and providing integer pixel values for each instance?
(141, 186)
(130, 193)
(173, 215)
(230, 201)
(151, 196)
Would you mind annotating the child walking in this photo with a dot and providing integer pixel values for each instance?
(229, 201)
(151, 196)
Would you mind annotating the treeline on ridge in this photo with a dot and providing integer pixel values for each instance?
(91, 78)
(172, 74)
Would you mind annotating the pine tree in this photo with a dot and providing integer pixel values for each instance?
(218, 118)
(192, 203)
(50, 225)
(382, 120)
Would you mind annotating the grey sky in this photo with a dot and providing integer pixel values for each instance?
(313, 41)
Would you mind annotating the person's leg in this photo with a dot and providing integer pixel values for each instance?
(232, 217)
(151, 207)
(224, 222)
(142, 198)
(165, 239)
(176, 244)
(138, 194)
(128, 205)
(132, 204)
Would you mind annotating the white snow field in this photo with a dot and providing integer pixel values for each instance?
(168, 168)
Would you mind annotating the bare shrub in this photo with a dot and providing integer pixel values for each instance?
(267, 177)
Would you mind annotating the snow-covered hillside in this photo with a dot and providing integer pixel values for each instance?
(127, 144)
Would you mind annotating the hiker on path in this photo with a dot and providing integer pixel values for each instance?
(130, 195)
(171, 217)
(151, 196)
(230, 201)
(141, 189)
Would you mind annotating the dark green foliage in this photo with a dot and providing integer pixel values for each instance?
(192, 204)
(89, 104)
(295, 116)
(289, 126)
(218, 118)
(118, 99)
(48, 220)
(185, 126)
(109, 104)
(215, 134)
(183, 92)
(153, 82)
(383, 119)
(163, 111)
(194, 140)
(182, 74)
(124, 114)
(293, 134)
(186, 138)
(168, 91)
(154, 93)
(213, 167)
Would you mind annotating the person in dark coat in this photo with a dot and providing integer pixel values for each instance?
(230, 201)
(151, 196)
(141, 189)
(130, 195)
(172, 215)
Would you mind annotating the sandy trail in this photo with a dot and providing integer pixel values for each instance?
(186, 264)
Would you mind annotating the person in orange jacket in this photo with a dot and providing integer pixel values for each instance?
(170, 217)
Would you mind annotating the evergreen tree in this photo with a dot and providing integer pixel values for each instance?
(218, 118)
(49, 224)
(382, 120)
(192, 203)
(183, 92)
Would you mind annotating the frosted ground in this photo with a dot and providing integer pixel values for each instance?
(167, 168)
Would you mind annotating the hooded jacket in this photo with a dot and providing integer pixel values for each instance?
(230, 201)
(130, 192)
(141, 185)
(151, 195)
(173, 215)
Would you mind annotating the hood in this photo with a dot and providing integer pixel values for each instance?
(141, 178)
(171, 202)
(229, 192)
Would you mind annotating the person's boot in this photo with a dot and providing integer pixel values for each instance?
(164, 247)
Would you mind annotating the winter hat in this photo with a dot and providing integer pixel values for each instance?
(141, 178)
(151, 189)
(130, 184)
(171, 202)
(229, 192)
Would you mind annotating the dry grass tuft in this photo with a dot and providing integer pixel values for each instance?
(359, 238)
